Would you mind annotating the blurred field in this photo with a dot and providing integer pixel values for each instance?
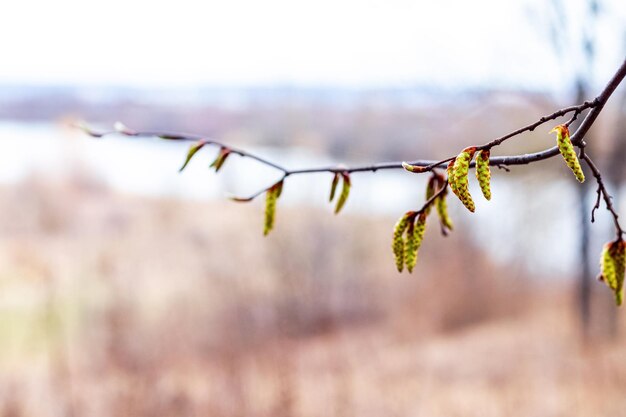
(124, 306)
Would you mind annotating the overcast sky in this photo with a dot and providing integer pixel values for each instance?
(347, 42)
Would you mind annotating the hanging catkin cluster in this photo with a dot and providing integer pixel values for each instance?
(271, 196)
(458, 175)
(567, 151)
(409, 230)
(408, 234)
(612, 267)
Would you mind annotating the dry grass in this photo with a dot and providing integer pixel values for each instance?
(119, 306)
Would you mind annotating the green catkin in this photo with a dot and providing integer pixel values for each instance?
(430, 190)
(442, 211)
(414, 236)
(420, 229)
(612, 267)
(345, 192)
(398, 240)
(271, 196)
(410, 247)
(483, 173)
(461, 181)
(567, 151)
(451, 181)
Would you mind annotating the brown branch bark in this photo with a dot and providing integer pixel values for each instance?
(594, 106)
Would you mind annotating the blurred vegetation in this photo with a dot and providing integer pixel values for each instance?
(119, 305)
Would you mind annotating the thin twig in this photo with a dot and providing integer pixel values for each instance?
(596, 105)
(602, 192)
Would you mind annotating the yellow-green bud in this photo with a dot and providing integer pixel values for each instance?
(417, 169)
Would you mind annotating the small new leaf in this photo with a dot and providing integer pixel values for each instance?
(192, 151)
(613, 266)
(567, 151)
(483, 173)
(220, 159)
(345, 192)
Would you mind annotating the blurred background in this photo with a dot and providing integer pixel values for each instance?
(128, 289)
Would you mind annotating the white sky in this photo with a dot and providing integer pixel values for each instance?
(344, 42)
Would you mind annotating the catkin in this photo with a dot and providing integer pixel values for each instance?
(345, 192)
(461, 181)
(398, 239)
(567, 151)
(612, 267)
(451, 181)
(414, 236)
(410, 247)
(483, 173)
(430, 190)
(442, 211)
(271, 195)
(420, 229)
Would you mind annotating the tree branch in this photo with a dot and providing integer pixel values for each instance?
(603, 193)
(594, 106)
